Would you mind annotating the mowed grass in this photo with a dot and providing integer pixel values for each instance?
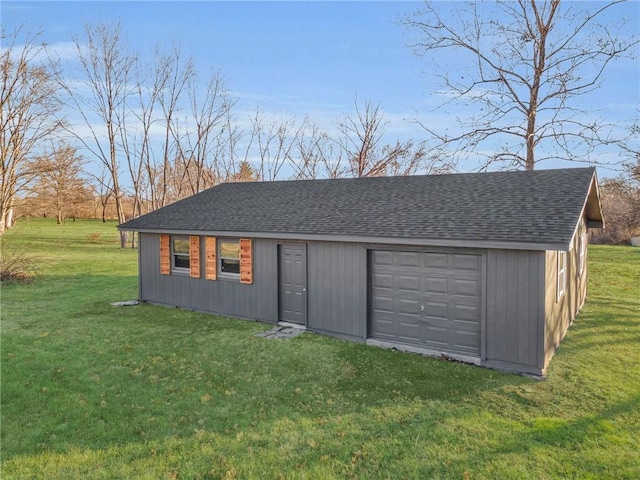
(94, 391)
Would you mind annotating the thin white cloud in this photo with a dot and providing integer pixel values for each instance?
(39, 54)
(65, 51)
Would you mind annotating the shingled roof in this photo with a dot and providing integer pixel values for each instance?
(526, 209)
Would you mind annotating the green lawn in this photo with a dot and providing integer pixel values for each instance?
(94, 391)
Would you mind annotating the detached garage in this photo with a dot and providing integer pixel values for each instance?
(488, 268)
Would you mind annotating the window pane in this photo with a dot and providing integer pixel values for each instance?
(229, 266)
(180, 246)
(229, 250)
(181, 261)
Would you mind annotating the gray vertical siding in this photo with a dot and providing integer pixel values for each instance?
(337, 281)
(515, 309)
(226, 297)
(336, 290)
(522, 322)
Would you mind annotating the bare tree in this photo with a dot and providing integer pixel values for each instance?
(173, 77)
(128, 143)
(362, 140)
(59, 182)
(207, 120)
(103, 190)
(318, 155)
(271, 144)
(529, 63)
(106, 71)
(29, 104)
(621, 206)
(181, 178)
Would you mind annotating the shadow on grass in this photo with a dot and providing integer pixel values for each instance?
(570, 436)
(605, 320)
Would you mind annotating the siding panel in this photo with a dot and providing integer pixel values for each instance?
(523, 341)
(515, 308)
(337, 288)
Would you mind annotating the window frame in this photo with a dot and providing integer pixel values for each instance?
(582, 254)
(561, 277)
(221, 258)
(179, 269)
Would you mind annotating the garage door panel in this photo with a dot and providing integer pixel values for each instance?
(383, 304)
(383, 280)
(408, 306)
(435, 260)
(437, 335)
(467, 326)
(465, 262)
(466, 287)
(436, 285)
(386, 327)
(429, 299)
(469, 313)
(409, 331)
(409, 283)
(407, 259)
(387, 336)
(436, 310)
(467, 340)
(381, 257)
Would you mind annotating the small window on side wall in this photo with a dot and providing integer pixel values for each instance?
(180, 254)
(582, 253)
(229, 258)
(562, 275)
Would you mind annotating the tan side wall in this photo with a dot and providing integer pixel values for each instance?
(560, 313)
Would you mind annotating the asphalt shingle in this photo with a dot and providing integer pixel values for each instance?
(541, 206)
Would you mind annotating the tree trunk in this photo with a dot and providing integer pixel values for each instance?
(9, 220)
(530, 161)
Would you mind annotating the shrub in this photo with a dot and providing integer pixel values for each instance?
(94, 237)
(16, 266)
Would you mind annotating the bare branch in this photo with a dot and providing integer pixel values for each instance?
(530, 61)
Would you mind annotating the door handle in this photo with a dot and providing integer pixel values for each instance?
(304, 289)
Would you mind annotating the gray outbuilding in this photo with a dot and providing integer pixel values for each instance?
(487, 268)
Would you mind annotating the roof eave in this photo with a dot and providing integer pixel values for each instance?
(456, 243)
(593, 206)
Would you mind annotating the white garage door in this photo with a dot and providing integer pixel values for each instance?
(432, 300)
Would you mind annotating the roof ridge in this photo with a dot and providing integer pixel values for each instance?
(382, 177)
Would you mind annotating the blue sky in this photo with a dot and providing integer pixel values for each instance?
(299, 58)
